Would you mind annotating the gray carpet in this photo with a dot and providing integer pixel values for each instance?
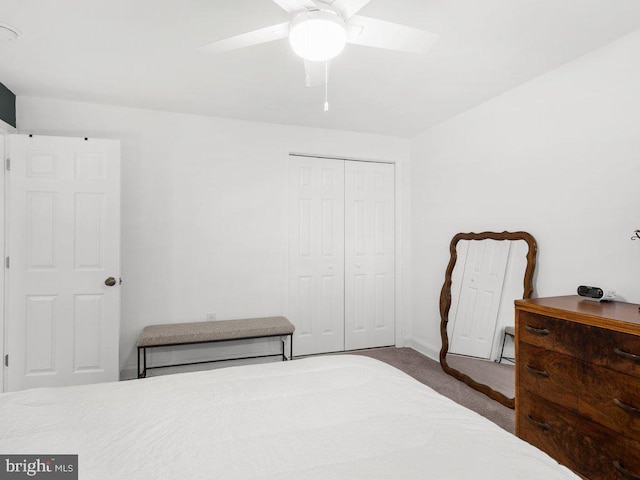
(430, 373)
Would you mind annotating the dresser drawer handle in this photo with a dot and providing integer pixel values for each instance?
(627, 355)
(537, 331)
(542, 373)
(544, 426)
(625, 472)
(626, 408)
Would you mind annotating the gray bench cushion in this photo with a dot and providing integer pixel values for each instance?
(180, 333)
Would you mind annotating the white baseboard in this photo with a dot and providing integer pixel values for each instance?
(424, 348)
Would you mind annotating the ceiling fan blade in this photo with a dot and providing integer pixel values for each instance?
(372, 32)
(348, 8)
(295, 6)
(315, 73)
(263, 35)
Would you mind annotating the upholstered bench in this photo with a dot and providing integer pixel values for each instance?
(173, 334)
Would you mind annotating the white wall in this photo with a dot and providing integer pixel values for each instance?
(203, 214)
(558, 157)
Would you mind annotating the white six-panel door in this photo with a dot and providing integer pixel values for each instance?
(63, 242)
(341, 254)
(316, 254)
(369, 255)
(479, 299)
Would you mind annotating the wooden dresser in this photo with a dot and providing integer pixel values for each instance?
(578, 383)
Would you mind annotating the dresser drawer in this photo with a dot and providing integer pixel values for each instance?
(602, 395)
(550, 375)
(584, 446)
(612, 399)
(607, 348)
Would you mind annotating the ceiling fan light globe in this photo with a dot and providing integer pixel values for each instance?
(317, 35)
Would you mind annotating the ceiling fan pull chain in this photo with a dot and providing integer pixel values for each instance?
(326, 85)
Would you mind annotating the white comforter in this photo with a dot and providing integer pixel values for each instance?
(326, 418)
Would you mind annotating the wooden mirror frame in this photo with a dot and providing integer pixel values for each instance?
(445, 303)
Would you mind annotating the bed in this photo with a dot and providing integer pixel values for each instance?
(332, 417)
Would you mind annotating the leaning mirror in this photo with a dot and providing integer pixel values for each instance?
(486, 273)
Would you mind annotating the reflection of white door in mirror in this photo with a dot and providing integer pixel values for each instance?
(474, 328)
(476, 303)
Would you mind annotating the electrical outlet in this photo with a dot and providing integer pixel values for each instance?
(211, 317)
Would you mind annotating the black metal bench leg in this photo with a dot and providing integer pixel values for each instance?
(284, 350)
(142, 373)
(504, 340)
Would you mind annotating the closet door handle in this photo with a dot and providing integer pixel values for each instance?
(537, 331)
(542, 425)
(627, 355)
(541, 373)
(625, 472)
(626, 408)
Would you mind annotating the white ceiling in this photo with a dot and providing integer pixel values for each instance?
(142, 53)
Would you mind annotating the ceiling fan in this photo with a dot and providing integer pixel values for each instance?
(319, 30)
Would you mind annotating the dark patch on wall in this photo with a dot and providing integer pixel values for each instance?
(7, 106)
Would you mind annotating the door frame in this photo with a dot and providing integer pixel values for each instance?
(5, 131)
(398, 163)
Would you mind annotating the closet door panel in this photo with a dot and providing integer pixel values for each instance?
(316, 254)
(369, 255)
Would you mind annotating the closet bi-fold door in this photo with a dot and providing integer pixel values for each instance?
(369, 255)
(316, 254)
(341, 254)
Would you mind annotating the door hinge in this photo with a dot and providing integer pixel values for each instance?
(8, 164)
(6, 360)
(6, 262)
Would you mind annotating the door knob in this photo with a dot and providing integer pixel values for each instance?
(110, 282)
